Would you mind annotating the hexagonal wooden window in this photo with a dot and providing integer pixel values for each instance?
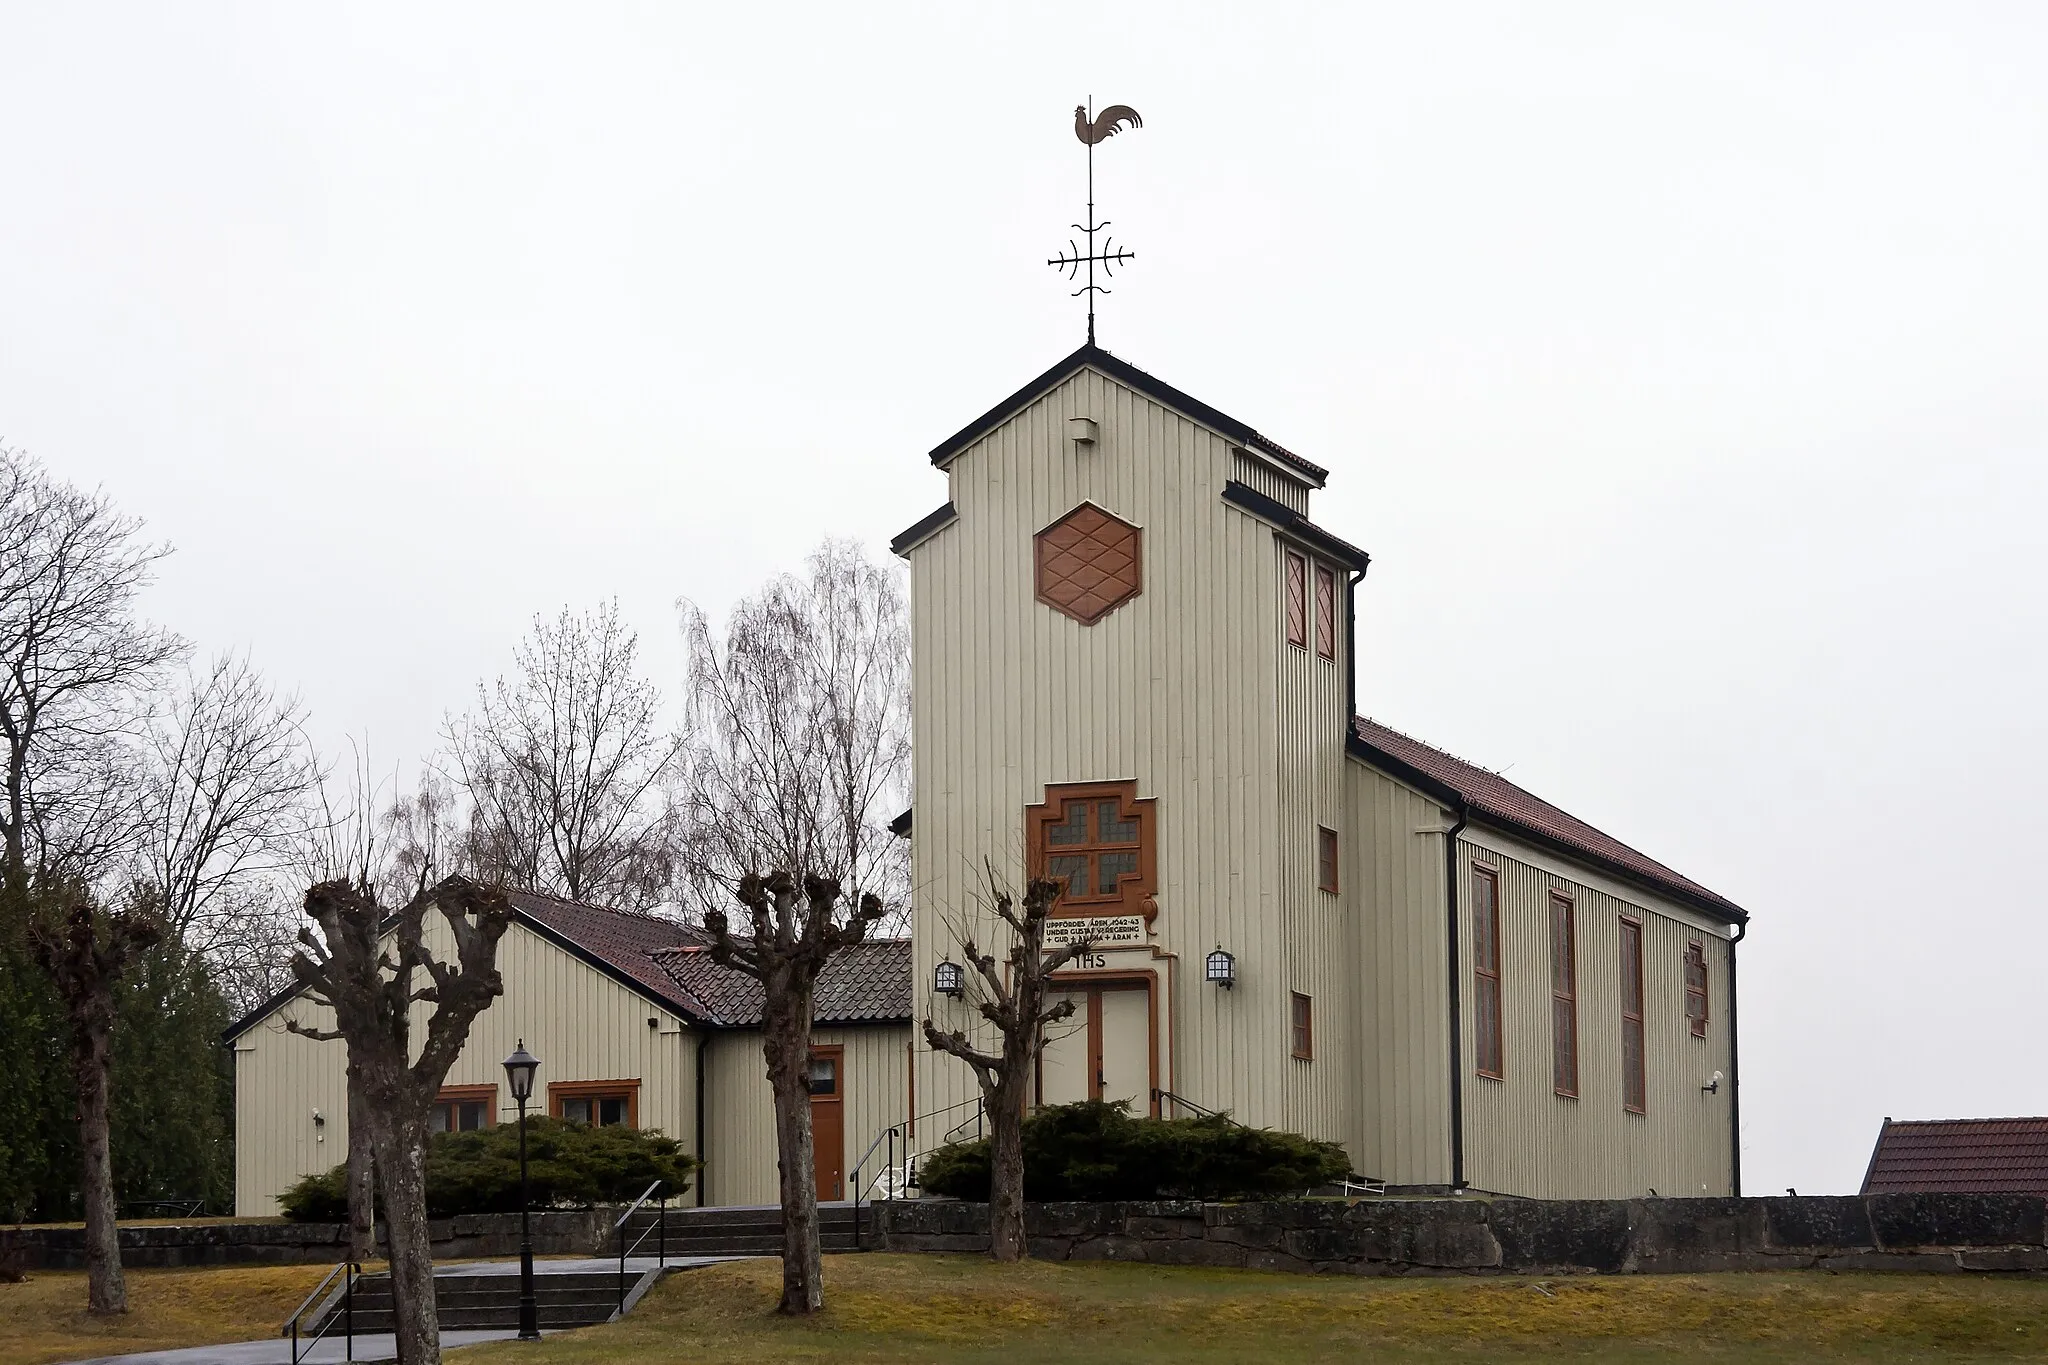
(1088, 564)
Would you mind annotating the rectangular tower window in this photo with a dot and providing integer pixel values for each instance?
(1297, 599)
(1564, 997)
(1304, 1028)
(1326, 859)
(1487, 1044)
(1634, 1083)
(1696, 988)
(1326, 612)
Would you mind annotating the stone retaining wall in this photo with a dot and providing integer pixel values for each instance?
(574, 1232)
(1915, 1232)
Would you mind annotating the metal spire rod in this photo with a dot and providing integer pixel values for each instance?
(1091, 129)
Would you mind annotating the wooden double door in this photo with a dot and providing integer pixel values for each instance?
(1105, 1050)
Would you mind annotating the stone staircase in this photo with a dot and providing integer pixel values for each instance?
(740, 1231)
(469, 1301)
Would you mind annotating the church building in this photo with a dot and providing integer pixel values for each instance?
(1134, 669)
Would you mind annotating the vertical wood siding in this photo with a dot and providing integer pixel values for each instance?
(1396, 897)
(1256, 473)
(1178, 689)
(1521, 1137)
(739, 1109)
(583, 1026)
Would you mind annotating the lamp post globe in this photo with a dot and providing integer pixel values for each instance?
(519, 1072)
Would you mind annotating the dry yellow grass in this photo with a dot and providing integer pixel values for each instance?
(940, 1308)
(45, 1319)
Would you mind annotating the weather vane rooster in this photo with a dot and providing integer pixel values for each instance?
(1104, 125)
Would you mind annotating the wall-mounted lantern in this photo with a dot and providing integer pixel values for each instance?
(948, 979)
(1222, 968)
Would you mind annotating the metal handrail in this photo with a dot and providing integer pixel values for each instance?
(889, 1133)
(350, 1271)
(1186, 1103)
(645, 1195)
(660, 1228)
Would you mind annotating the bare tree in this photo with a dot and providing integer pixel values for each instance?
(225, 784)
(1012, 999)
(86, 950)
(73, 656)
(363, 965)
(800, 733)
(565, 768)
(793, 934)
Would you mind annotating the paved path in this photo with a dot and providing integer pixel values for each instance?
(383, 1346)
(278, 1351)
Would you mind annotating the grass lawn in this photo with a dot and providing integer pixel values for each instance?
(45, 1319)
(962, 1308)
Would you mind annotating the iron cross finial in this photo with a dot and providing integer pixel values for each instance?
(1091, 131)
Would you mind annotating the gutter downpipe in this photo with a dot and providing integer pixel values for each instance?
(703, 1037)
(1457, 1012)
(1734, 1071)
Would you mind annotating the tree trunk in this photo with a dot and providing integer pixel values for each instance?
(1006, 1165)
(106, 1287)
(400, 1145)
(362, 1177)
(787, 1042)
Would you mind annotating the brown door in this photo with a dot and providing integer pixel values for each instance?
(828, 1120)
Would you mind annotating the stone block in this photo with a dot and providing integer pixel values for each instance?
(1561, 1234)
(2006, 1258)
(1153, 1226)
(1958, 1220)
(1913, 1262)
(1817, 1221)
(1108, 1249)
(1039, 1248)
(1693, 1234)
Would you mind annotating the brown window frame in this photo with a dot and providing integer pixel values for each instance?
(1326, 858)
(1326, 612)
(1302, 1026)
(629, 1090)
(1297, 599)
(1635, 1081)
(1564, 996)
(451, 1096)
(1486, 981)
(1696, 987)
(1134, 894)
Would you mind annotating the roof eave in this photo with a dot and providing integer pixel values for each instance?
(1368, 752)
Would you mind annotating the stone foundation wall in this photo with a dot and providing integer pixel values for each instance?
(1915, 1232)
(575, 1232)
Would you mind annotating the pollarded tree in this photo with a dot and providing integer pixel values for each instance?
(793, 933)
(1011, 996)
(365, 966)
(86, 949)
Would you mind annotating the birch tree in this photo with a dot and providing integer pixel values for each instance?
(799, 750)
(566, 768)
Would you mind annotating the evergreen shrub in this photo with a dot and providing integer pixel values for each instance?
(569, 1165)
(1096, 1150)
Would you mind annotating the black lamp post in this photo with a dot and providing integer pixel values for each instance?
(519, 1069)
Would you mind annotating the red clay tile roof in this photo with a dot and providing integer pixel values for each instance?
(867, 983)
(616, 940)
(1965, 1156)
(1493, 798)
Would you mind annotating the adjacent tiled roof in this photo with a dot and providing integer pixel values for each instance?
(1494, 799)
(1964, 1156)
(868, 983)
(615, 939)
(1152, 387)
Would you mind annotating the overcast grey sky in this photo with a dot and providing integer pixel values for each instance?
(1682, 367)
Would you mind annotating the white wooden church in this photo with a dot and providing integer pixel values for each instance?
(1134, 670)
